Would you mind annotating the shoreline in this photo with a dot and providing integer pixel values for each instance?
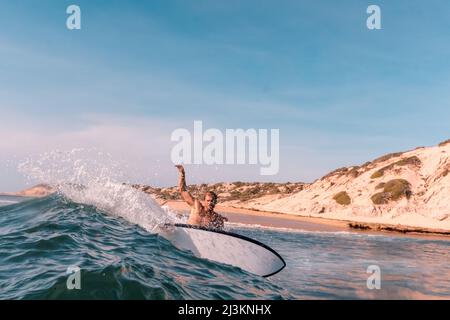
(271, 219)
(318, 224)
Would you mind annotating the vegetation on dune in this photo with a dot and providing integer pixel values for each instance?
(256, 190)
(380, 185)
(380, 198)
(342, 198)
(393, 190)
(338, 171)
(356, 171)
(242, 191)
(350, 171)
(413, 161)
(387, 157)
(443, 143)
(377, 174)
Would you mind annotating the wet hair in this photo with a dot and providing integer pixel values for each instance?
(213, 195)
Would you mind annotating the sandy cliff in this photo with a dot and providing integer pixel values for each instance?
(409, 188)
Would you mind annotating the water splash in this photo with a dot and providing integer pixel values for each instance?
(92, 177)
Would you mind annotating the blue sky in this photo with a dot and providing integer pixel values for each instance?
(339, 93)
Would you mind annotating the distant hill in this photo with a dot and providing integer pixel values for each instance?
(40, 190)
(230, 192)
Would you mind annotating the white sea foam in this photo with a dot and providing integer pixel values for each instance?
(92, 177)
(291, 230)
(7, 202)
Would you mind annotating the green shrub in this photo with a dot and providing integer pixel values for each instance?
(377, 174)
(398, 188)
(380, 185)
(387, 157)
(380, 198)
(342, 198)
(393, 190)
(415, 161)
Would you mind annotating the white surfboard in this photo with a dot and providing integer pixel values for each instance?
(225, 247)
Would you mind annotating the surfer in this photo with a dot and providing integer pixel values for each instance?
(202, 212)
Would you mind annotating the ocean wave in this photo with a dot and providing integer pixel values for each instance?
(41, 238)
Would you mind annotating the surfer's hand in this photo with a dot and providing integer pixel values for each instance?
(180, 168)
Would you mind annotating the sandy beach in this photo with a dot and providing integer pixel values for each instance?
(267, 219)
(288, 221)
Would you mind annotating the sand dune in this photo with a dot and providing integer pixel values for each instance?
(406, 189)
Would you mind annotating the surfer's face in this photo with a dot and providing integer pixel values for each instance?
(209, 202)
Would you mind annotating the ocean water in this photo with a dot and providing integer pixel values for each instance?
(109, 230)
(121, 256)
(6, 200)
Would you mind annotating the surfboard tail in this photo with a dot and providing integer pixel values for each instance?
(226, 247)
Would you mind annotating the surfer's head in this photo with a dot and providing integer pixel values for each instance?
(210, 200)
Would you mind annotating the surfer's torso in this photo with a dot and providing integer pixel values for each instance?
(199, 216)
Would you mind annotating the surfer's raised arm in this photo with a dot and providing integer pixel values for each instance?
(190, 200)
